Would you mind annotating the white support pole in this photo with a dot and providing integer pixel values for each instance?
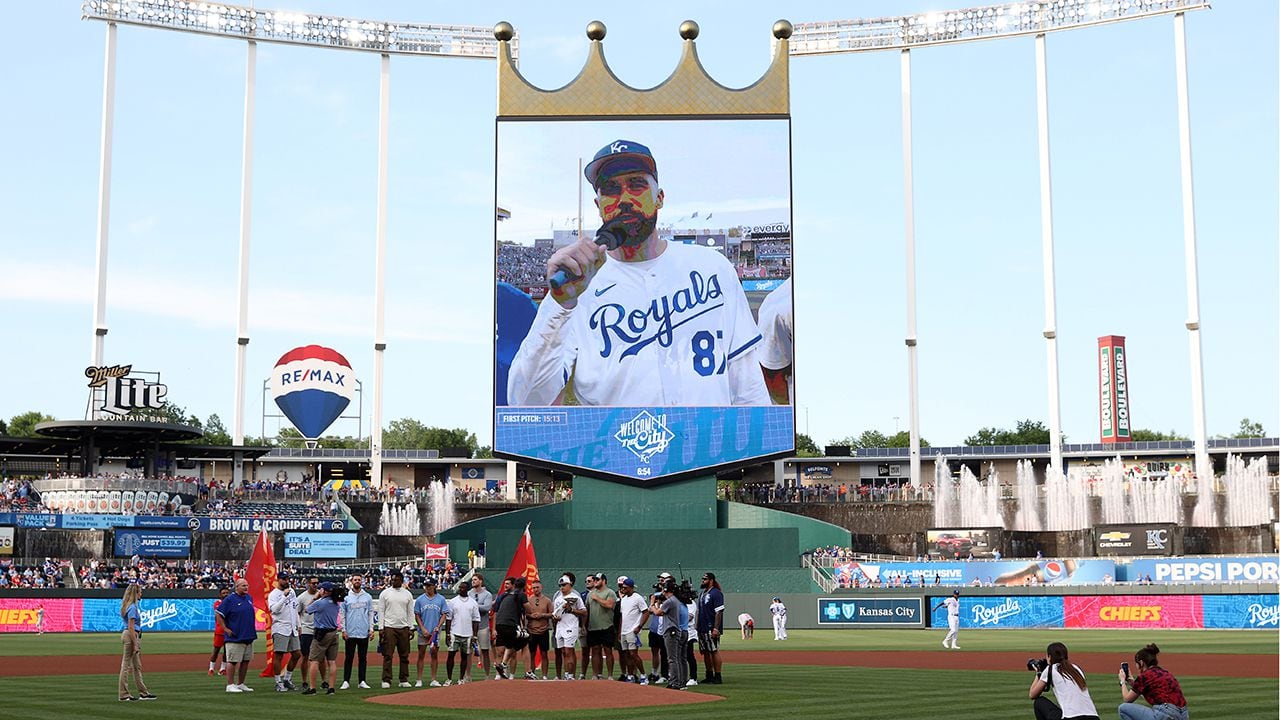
(1204, 466)
(908, 205)
(246, 228)
(380, 268)
(104, 198)
(1046, 244)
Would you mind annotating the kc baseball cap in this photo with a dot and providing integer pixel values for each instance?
(626, 581)
(955, 592)
(708, 576)
(620, 156)
(599, 577)
(327, 586)
(664, 576)
(429, 581)
(566, 580)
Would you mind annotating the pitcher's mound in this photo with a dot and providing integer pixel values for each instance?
(508, 694)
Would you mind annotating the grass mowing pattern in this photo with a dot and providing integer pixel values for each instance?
(1032, 642)
(762, 691)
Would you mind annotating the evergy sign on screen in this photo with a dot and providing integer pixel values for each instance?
(627, 344)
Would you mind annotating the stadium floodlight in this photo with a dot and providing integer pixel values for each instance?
(296, 28)
(980, 23)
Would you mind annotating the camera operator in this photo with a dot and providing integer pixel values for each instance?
(1155, 684)
(324, 649)
(657, 646)
(669, 611)
(1067, 682)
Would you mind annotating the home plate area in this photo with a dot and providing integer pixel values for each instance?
(505, 694)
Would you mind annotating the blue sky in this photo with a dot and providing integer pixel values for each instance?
(175, 211)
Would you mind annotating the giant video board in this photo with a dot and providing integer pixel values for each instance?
(643, 296)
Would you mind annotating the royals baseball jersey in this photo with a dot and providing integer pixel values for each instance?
(675, 330)
(776, 347)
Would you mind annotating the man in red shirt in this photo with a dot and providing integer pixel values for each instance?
(219, 639)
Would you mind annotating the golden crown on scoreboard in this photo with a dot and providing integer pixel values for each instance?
(688, 92)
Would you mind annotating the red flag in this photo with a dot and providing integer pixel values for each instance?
(524, 563)
(261, 575)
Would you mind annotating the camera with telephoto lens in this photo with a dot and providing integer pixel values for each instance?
(1037, 666)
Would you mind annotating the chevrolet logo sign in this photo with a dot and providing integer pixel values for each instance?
(1113, 536)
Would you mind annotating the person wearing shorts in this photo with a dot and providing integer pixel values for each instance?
(601, 633)
(283, 603)
(566, 610)
(484, 601)
(324, 649)
(464, 626)
(635, 615)
(430, 612)
(219, 635)
(237, 614)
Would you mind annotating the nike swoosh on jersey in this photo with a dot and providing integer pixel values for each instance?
(603, 290)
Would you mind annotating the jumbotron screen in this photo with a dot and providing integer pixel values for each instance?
(643, 304)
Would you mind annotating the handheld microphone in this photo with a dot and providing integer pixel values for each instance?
(610, 235)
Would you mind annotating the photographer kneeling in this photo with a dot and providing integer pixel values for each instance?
(1066, 680)
(1158, 686)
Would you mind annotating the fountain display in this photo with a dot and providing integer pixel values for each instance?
(967, 502)
(1028, 516)
(399, 520)
(1248, 492)
(1137, 499)
(442, 513)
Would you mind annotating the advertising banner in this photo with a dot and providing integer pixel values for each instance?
(1260, 568)
(93, 522)
(157, 615)
(1133, 539)
(1241, 611)
(655, 362)
(24, 614)
(1133, 611)
(1004, 572)
(871, 611)
(986, 611)
(960, 542)
(6, 541)
(232, 524)
(1113, 390)
(152, 543)
(432, 551)
(319, 546)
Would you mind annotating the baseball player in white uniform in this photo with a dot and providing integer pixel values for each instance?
(953, 619)
(779, 613)
(648, 322)
(777, 353)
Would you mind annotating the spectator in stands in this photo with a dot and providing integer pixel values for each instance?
(131, 638)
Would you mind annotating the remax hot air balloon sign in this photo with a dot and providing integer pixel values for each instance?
(313, 385)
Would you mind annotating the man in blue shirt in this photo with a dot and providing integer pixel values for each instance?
(324, 649)
(236, 615)
(429, 611)
(357, 623)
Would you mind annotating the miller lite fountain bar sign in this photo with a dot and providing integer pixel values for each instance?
(1113, 390)
(115, 393)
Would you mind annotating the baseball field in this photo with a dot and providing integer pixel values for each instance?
(814, 674)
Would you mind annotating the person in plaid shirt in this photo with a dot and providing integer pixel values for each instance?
(1154, 684)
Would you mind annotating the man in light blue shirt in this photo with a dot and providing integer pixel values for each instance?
(357, 623)
(430, 611)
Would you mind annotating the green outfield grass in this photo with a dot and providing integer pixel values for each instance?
(816, 692)
(758, 691)
(1031, 642)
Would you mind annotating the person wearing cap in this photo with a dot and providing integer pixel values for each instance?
(429, 613)
(464, 626)
(283, 603)
(710, 626)
(747, 625)
(657, 645)
(395, 611)
(952, 604)
(635, 614)
(601, 633)
(324, 649)
(669, 614)
(594, 344)
(567, 609)
(508, 619)
(779, 612)
(238, 614)
(357, 625)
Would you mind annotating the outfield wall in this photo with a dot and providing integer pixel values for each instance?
(1244, 606)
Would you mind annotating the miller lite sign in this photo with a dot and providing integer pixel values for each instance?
(1113, 390)
(115, 393)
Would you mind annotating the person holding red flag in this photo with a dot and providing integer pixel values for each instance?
(261, 576)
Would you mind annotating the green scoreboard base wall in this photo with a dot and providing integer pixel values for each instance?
(639, 532)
